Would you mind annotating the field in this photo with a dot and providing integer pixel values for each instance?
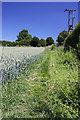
(15, 60)
(49, 88)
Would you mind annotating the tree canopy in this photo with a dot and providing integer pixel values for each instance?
(34, 41)
(43, 42)
(49, 41)
(24, 38)
(73, 39)
(61, 37)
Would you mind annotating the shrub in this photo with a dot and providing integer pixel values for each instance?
(49, 41)
(61, 37)
(43, 42)
(73, 38)
(35, 41)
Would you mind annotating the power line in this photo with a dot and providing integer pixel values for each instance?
(70, 26)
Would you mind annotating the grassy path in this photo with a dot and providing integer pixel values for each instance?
(44, 90)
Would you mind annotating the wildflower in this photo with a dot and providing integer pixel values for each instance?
(32, 78)
(51, 88)
(34, 73)
(50, 72)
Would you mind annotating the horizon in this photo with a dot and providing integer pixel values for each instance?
(41, 19)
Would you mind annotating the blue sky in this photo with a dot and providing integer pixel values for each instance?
(41, 19)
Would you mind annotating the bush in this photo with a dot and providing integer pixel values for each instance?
(8, 43)
(53, 46)
(73, 38)
(49, 41)
(43, 42)
(35, 42)
(61, 37)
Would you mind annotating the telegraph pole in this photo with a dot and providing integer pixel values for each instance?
(70, 26)
(69, 22)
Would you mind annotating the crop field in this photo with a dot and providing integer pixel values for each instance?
(15, 60)
(47, 85)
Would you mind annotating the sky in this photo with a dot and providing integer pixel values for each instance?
(41, 19)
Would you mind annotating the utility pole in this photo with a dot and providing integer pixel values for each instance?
(70, 26)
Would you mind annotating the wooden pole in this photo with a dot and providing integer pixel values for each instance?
(72, 18)
(70, 27)
(69, 23)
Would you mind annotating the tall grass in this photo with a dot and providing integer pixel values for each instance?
(48, 90)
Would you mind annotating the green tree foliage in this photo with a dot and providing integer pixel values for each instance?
(73, 39)
(0, 43)
(49, 41)
(24, 42)
(7, 43)
(61, 37)
(35, 42)
(24, 38)
(22, 35)
(42, 42)
(13, 44)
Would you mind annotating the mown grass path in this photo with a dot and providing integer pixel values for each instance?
(44, 90)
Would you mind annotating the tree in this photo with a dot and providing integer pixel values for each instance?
(49, 41)
(73, 39)
(24, 38)
(24, 43)
(42, 42)
(7, 43)
(61, 37)
(13, 43)
(34, 41)
(23, 34)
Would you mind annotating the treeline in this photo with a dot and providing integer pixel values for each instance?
(25, 39)
(70, 41)
(73, 39)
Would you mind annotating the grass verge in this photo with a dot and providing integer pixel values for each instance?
(48, 90)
